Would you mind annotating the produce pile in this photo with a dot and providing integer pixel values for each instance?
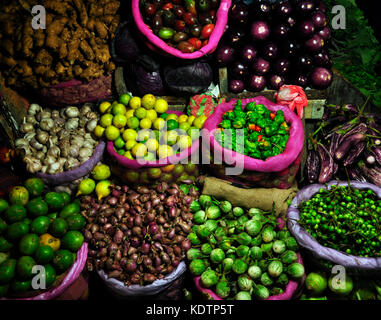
(345, 219)
(347, 144)
(240, 254)
(73, 45)
(182, 24)
(138, 235)
(37, 228)
(268, 45)
(57, 140)
(263, 133)
(142, 128)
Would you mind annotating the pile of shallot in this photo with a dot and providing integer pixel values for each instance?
(138, 235)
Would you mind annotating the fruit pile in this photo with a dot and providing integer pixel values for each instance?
(182, 24)
(37, 228)
(141, 128)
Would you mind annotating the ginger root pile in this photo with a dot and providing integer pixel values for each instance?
(74, 45)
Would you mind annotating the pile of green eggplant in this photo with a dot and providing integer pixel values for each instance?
(241, 254)
(350, 150)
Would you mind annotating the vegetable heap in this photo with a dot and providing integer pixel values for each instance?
(345, 219)
(37, 228)
(74, 43)
(263, 133)
(183, 24)
(240, 254)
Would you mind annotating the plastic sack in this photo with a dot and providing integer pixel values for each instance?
(318, 251)
(288, 294)
(221, 21)
(77, 92)
(71, 276)
(275, 172)
(120, 289)
(69, 176)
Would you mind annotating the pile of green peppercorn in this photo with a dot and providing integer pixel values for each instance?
(345, 219)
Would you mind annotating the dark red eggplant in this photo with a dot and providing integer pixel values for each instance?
(327, 164)
(354, 153)
(347, 144)
(373, 175)
(312, 166)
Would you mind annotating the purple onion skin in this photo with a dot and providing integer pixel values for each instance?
(248, 54)
(260, 30)
(322, 59)
(306, 28)
(257, 83)
(276, 81)
(314, 44)
(239, 70)
(321, 78)
(261, 66)
(236, 85)
(325, 33)
(282, 66)
(319, 19)
(224, 55)
(239, 13)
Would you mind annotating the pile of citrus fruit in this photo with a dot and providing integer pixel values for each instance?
(142, 127)
(37, 228)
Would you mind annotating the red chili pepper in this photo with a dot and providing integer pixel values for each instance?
(272, 115)
(260, 137)
(258, 129)
(167, 6)
(190, 5)
(195, 42)
(177, 1)
(207, 30)
(150, 9)
(179, 25)
(252, 126)
(189, 19)
(205, 42)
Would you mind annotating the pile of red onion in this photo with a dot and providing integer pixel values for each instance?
(138, 235)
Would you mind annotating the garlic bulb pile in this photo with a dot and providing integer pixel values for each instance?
(57, 140)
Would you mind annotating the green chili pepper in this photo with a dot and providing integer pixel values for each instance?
(226, 124)
(190, 6)
(250, 106)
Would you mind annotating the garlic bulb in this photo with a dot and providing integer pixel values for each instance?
(33, 165)
(64, 146)
(35, 144)
(53, 141)
(85, 109)
(29, 136)
(54, 151)
(49, 160)
(44, 168)
(42, 136)
(26, 128)
(53, 168)
(43, 115)
(72, 124)
(55, 114)
(40, 155)
(91, 115)
(19, 143)
(71, 163)
(62, 161)
(62, 134)
(47, 124)
(63, 188)
(33, 109)
(44, 149)
(78, 141)
(59, 122)
(30, 119)
(83, 159)
(90, 125)
(85, 152)
(73, 151)
(72, 112)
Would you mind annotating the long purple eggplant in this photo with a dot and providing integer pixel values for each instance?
(355, 173)
(327, 164)
(372, 174)
(312, 166)
(335, 142)
(377, 153)
(361, 128)
(347, 144)
(354, 153)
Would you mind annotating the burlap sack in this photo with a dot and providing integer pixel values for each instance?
(261, 198)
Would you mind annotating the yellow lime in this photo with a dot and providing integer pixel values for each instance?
(171, 116)
(184, 126)
(171, 137)
(111, 133)
(148, 101)
(118, 109)
(125, 99)
(151, 114)
(184, 142)
(133, 122)
(135, 102)
(191, 119)
(129, 134)
(161, 106)
(150, 156)
(98, 131)
(199, 121)
(164, 151)
(145, 134)
(130, 113)
(101, 172)
(152, 144)
(139, 150)
(128, 155)
(102, 189)
(145, 123)
(104, 106)
(182, 118)
(140, 113)
(130, 144)
(86, 186)
(119, 121)
(194, 133)
(159, 123)
(106, 120)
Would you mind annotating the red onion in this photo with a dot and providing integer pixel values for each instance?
(157, 262)
(119, 212)
(170, 201)
(134, 256)
(172, 212)
(158, 245)
(157, 236)
(135, 242)
(186, 244)
(118, 237)
(138, 220)
(153, 228)
(171, 233)
(145, 248)
(147, 261)
(115, 193)
(130, 266)
(137, 231)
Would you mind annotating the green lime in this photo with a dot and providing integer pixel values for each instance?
(44, 254)
(58, 227)
(76, 222)
(24, 267)
(4, 256)
(35, 186)
(5, 245)
(150, 156)
(3, 225)
(119, 121)
(132, 176)
(4, 290)
(111, 133)
(19, 195)
(37, 207)
(70, 209)
(54, 200)
(167, 177)
(19, 286)
(66, 197)
(140, 113)
(3, 205)
(172, 124)
(121, 152)
(194, 133)
(7, 271)
(86, 186)
(164, 115)
(50, 275)
(133, 122)
(29, 244)
(119, 142)
(101, 172)
(52, 216)
(15, 213)
(40, 225)
(72, 240)
(178, 169)
(119, 109)
(154, 173)
(62, 260)
(17, 230)
(125, 99)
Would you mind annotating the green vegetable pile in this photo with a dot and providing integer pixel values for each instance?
(263, 134)
(345, 219)
(240, 254)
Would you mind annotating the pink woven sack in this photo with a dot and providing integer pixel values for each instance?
(157, 44)
(278, 171)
